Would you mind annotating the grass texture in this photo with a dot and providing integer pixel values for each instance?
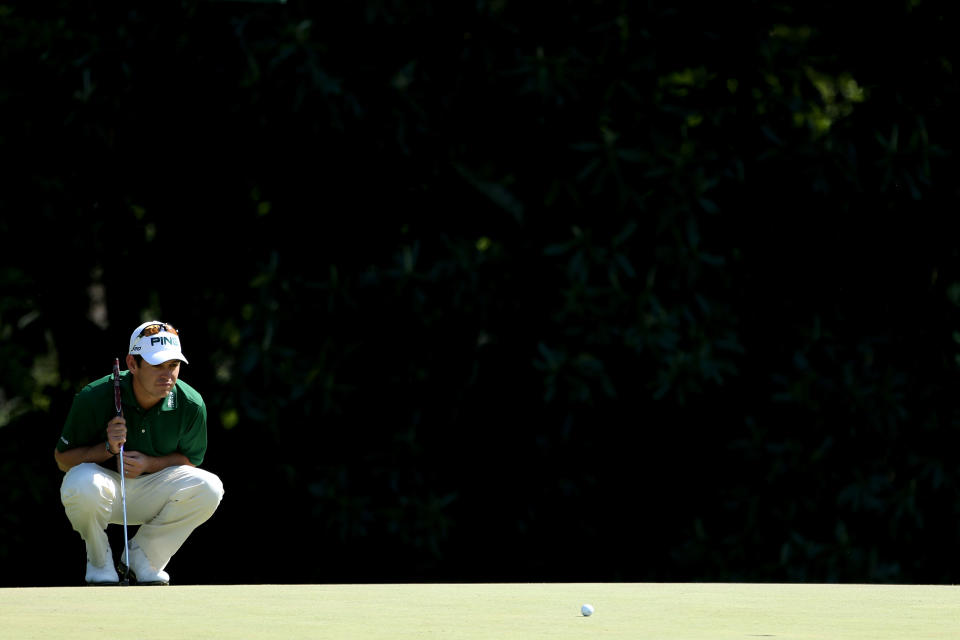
(503, 611)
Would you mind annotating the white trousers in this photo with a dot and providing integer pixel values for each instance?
(168, 505)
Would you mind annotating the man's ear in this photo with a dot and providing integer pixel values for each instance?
(131, 362)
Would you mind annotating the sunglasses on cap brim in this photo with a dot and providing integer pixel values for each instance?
(154, 329)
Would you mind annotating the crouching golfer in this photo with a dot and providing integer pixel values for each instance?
(164, 433)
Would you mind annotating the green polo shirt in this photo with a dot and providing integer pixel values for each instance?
(176, 424)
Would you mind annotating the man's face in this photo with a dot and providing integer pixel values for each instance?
(154, 381)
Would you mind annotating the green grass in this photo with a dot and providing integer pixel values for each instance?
(345, 612)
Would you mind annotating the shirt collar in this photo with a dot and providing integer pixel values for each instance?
(170, 402)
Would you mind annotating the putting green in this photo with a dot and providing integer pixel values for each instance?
(345, 612)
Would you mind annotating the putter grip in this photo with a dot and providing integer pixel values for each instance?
(116, 386)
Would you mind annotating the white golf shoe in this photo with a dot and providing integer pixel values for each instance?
(140, 568)
(105, 576)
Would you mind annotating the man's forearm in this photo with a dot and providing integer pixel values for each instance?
(159, 463)
(98, 453)
(70, 458)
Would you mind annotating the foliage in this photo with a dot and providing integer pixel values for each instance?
(469, 286)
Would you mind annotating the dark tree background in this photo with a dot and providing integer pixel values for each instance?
(499, 290)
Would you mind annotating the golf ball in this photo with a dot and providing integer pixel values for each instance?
(587, 609)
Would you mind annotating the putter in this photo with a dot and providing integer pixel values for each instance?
(123, 489)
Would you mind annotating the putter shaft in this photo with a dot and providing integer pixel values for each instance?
(123, 501)
(123, 484)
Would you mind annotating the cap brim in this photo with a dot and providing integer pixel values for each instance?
(159, 357)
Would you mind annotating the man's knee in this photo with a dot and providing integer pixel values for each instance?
(213, 490)
(86, 487)
(206, 489)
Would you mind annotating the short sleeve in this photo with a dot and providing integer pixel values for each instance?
(193, 439)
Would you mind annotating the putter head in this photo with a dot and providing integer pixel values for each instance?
(124, 572)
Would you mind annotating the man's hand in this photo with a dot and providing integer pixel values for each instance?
(116, 434)
(134, 464)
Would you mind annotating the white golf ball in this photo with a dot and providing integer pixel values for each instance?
(587, 609)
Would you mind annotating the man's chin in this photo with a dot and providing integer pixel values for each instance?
(160, 394)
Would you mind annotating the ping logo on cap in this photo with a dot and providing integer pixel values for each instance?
(162, 340)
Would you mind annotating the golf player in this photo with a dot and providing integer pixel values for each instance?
(163, 431)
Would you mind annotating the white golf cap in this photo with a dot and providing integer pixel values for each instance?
(156, 342)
